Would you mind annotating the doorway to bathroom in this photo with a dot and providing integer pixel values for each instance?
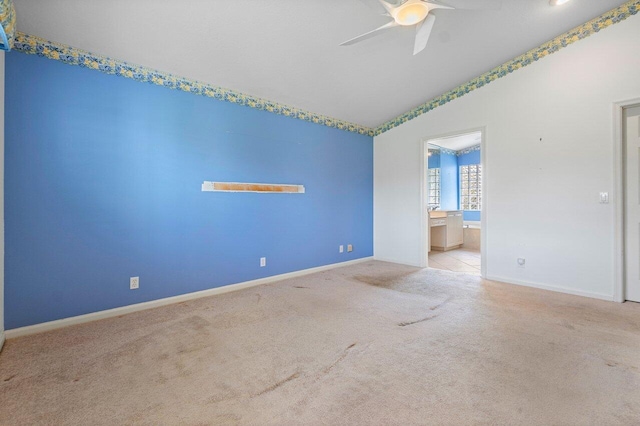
(453, 202)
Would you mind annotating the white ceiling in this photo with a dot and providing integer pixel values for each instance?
(458, 142)
(288, 50)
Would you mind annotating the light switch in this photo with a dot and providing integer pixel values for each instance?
(604, 198)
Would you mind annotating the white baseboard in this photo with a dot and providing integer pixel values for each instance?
(1, 339)
(558, 289)
(65, 322)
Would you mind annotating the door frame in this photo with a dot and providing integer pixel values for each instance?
(424, 228)
(619, 170)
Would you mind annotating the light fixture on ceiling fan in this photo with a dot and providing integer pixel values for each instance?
(410, 13)
(557, 2)
(418, 13)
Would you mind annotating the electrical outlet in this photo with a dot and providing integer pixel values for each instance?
(341, 249)
(349, 247)
(604, 198)
(263, 262)
(134, 283)
(521, 262)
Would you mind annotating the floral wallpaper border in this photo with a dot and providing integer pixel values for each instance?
(468, 150)
(29, 44)
(459, 152)
(447, 151)
(614, 16)
(8, 22)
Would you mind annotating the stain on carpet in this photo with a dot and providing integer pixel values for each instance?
(439, 305)
(339, 360)
(299, 286)
(433, 284)
(162, 379)
(384, 280)
(195, 322)
(404, 324)
(278, 384)
(225, 393)
(610, 363)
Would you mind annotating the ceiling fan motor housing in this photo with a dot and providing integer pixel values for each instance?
(410, 13)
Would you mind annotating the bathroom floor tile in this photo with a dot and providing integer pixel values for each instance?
(460, 260)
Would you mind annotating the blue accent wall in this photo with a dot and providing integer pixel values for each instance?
(448, 182)
(447, 164)
(103, 182)
(472, 157)
(433, 160)
(472, 215)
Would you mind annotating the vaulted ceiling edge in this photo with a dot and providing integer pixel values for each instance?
(585, 30)
(29, 44)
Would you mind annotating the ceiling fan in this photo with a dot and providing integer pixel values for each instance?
(418, 13)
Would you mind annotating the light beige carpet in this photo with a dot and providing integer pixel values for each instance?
(373, 343)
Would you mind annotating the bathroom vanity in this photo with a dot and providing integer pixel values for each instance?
(446, 230)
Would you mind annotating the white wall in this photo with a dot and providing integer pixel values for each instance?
(1, 198)
(542, 195)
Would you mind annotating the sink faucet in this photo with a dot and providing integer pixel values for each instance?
(432, 208)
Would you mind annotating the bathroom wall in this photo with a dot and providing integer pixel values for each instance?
(447, 164)
(449, 181)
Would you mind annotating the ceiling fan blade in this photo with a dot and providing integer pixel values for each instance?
(376, 6)
(437, 6)
(467, 4)
(369, 34)
(423, 31)
(388, 7)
